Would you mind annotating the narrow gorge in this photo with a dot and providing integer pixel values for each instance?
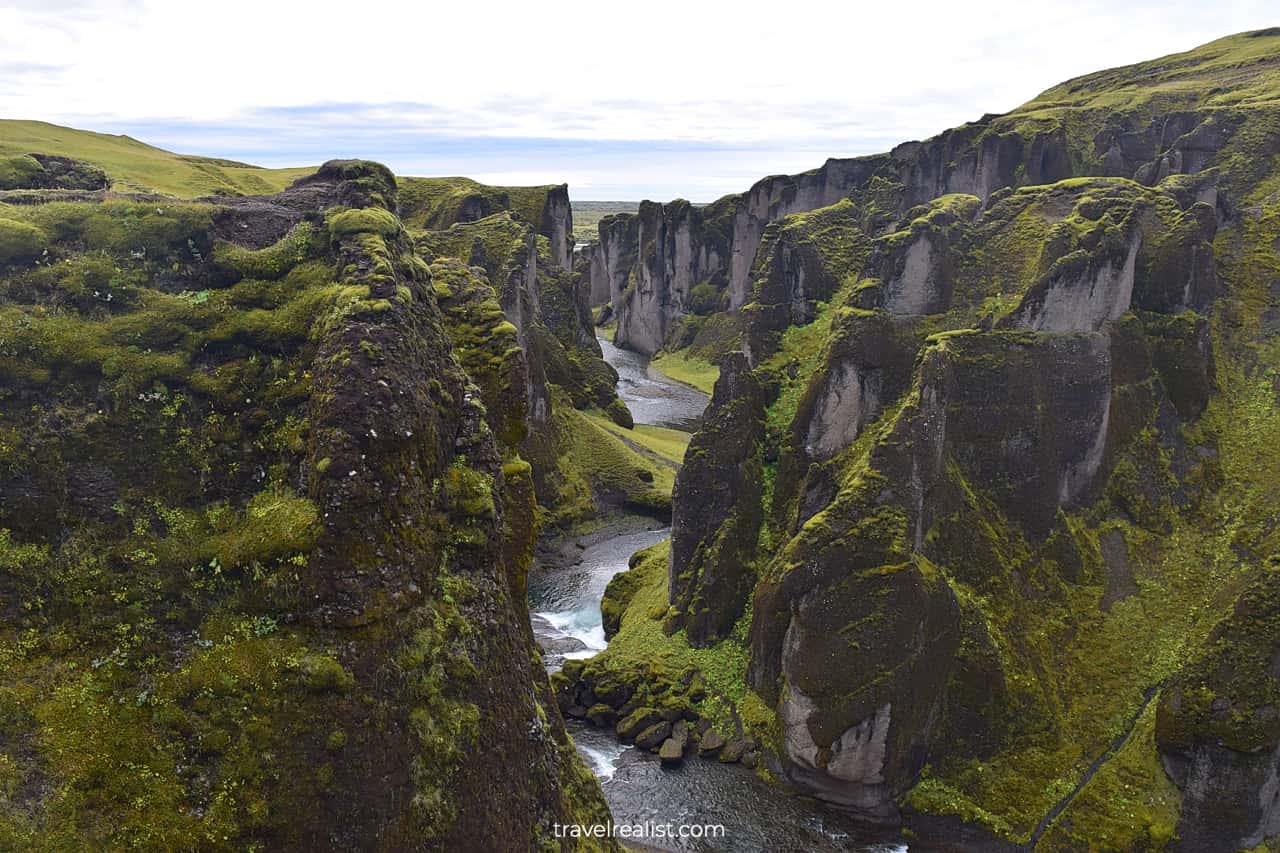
(923, 501)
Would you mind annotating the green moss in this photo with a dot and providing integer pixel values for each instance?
(321, 673)
(437, 203)
(270, 263)
(19, 241)
(161, 233)
(18, 172)
(1130, 804)
(470, 491)
(643, 654)
(445, 726)
(369, 220)
(486, 344)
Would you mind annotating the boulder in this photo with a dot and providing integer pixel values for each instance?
(732, 752)
(680, 735)
(636, 722)
(653, 735)
(602, 715)
(711, 743)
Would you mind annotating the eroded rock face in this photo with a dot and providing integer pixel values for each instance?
(1231, 799)
(850, 398)
(557, 226)
(1027, 409)
(1218, 726)
(1083, 297)
(713, 536)
(675, 248)
(981, 159)
(802, 262)
(1000, 458)
(773, 198)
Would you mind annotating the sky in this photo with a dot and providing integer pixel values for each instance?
(622, 101)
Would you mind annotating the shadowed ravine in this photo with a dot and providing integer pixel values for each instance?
(564, 600)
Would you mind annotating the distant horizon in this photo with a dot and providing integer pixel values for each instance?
(657, 112)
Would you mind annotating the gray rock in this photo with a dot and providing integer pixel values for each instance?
(711, 743)
(654, 735)
(732, 752)
(636, 722)
(602, 715)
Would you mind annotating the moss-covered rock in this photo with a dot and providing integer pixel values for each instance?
(49, 171)
(719, 490)
(262, 564)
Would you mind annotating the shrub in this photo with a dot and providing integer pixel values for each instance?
(19, 241)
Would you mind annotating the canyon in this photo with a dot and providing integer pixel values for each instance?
(974, 546)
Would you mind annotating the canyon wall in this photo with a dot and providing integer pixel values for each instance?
(1004, 473)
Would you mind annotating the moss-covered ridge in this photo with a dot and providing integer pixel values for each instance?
(262, 568)
(546, 304)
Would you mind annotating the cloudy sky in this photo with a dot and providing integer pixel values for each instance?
(653, 99)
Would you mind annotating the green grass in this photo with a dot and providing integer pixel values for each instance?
(668, 443)
(1239, 69)
(689, 369)
(592, 461)
(134, 166)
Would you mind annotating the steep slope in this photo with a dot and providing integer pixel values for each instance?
(263, 537)
(1000, 439)
(133, 166)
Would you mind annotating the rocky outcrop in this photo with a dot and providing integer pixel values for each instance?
(854, 622)
(49, 172)
(677, 247)
(913, 270)
(547, 304)
(1085, 294)
(718, 489)
(436, 204)
(273, 465)
(802, 262)
(1218, 727)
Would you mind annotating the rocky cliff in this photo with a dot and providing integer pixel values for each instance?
(547, 306)
(1066, 132)
(263, 535)
(437, 203)
(999, 439)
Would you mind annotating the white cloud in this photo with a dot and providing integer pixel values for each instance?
(800, 74)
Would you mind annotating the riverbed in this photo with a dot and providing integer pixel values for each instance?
(564, 601)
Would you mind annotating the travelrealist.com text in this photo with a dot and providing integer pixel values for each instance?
(647, 829)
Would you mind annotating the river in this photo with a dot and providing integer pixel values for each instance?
(564, 600)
